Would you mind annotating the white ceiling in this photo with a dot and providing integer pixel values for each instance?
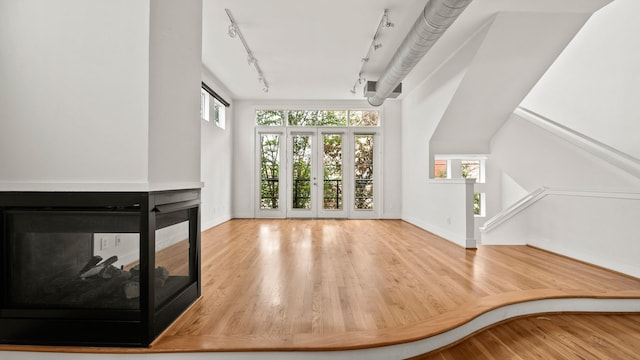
(312, 50)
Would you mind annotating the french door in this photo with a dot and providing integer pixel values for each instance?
(317, 173)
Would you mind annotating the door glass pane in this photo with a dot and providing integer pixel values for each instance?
(332, 169)
(270, 171)
(301, 171)
(363, 174)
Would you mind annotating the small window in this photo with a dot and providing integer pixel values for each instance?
(440, 169)
(219, 113)
(471, 169)
(204, 105)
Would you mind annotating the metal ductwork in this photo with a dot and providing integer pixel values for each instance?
(436, 18)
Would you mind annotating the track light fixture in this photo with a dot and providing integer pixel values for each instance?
(234, 30)
(375, 45)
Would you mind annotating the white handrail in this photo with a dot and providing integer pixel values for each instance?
(603, 151)
(541, 192)
(514, 209)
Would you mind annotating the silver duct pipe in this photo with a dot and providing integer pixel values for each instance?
(436, 18)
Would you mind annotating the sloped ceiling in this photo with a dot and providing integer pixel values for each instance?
(313, 49)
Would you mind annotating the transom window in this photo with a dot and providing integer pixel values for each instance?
(317, 118)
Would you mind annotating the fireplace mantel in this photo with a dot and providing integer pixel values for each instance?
(97, 187)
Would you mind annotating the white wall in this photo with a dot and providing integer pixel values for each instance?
(533, 157)
(100, 95)
(392, 159)
(435, 207)
(594, 86)
(216, 162)
(74, 92)
(175, 67)
(601, 231)
(244, 197)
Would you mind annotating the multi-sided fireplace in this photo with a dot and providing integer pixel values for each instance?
(99, 268)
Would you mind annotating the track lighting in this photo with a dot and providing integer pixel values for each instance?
(375, 45)
(234, 30)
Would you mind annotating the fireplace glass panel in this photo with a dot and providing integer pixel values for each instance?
(71, 259)
(173, 266)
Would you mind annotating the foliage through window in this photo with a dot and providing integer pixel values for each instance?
(363, 118)
(470, 169)
(270, 117)
(301, 172)
(440, 169)
(318, 118)
(363, 172)
(332, 169)
(269, 171)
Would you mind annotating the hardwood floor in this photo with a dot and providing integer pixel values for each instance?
(353, 284)
(555, 336)
(336, 284)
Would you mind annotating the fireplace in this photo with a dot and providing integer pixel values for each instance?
(96, 268)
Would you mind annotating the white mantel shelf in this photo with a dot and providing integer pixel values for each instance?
(101, 187)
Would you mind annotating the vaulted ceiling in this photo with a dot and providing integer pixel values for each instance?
(313, 49)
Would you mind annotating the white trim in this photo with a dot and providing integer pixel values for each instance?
(603, 151)
(461, 157)
(399, 351)
(444, 181)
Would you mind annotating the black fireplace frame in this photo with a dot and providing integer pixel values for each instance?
(102, 327)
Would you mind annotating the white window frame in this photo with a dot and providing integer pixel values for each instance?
(204, 105)
(219, 113)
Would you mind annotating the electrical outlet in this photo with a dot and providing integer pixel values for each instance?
(104, 242)
(118, 240)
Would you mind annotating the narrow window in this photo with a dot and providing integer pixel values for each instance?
(204, 105)
(219, 113)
